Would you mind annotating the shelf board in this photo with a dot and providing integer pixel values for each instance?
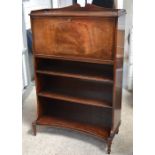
(74, 58)
(78, 76)
(84, 101)
(87, 128)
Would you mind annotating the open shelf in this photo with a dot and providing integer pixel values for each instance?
(87, 128)
(78, 76)
(73, 90)
(72, 69)
(71, 99)
(93, 120)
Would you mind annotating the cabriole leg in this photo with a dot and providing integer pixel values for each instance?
(109, 142)
(117, 131)
(34, 128)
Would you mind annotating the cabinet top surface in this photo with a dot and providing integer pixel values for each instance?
(77, 10)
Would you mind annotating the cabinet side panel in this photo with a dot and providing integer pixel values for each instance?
(79, 37)
(37, 82)
(118, 71)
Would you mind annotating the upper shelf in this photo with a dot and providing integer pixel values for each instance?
(77, 76)
(77, 10)
(78, 70)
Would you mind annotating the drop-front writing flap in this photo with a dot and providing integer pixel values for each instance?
(82, 32)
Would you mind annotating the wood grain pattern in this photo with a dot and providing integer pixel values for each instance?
(80, 37)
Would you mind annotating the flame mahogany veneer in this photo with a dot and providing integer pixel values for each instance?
(78, 61)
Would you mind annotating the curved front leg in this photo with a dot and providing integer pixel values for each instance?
(109, 143)
(34, 128)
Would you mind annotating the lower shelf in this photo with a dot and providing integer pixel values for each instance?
(60, 122)
(75, 99)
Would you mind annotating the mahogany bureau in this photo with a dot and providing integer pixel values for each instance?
(78, 61)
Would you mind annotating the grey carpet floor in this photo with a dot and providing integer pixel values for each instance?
(55, 141)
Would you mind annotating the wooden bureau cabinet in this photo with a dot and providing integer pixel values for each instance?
(78, 61)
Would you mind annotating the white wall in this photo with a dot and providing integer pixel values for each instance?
(55, 3)
(64, 3)
(118, 4)
(128, 6)
(82, 2)
(34, 5)
(128, 65)
(25, 69)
